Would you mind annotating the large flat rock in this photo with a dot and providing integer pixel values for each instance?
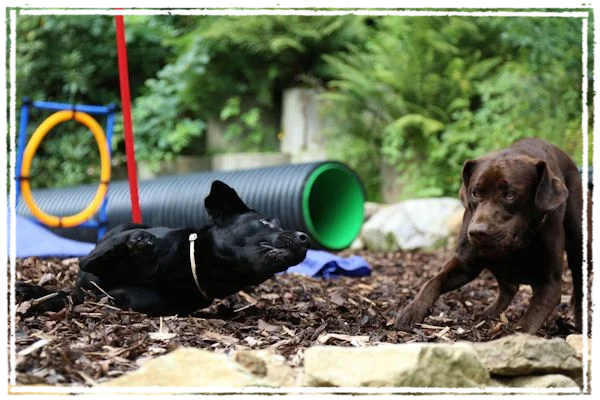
(404, 365)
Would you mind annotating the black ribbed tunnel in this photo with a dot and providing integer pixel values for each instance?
(323, 199)
(588, 175)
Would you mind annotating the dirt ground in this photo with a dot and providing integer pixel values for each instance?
(93, 342)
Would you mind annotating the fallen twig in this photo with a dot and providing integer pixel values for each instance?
(102, 290)
(88, 379)
(243, 308)
(42, 299)
(104, 305)
(441, 334)
(426, 326)
(30, 349)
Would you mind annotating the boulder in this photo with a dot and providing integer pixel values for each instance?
(411, 224)
(36, 390)
(357, 244)
(455, 222)
(371, 208)
(268, 366)
(404, 365)
(543, 385)
(576, 342)
(523, 354)
(189, 367)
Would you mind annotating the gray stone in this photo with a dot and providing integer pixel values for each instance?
(523, 354)
(411, 224)
(371, 208)
(357, 244)
(268, 366)
(189, 367)
(543, 385)
(404, 365)
(576, 342)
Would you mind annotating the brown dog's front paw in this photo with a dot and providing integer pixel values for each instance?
(526, 326)
(408, 317)
(487, 314)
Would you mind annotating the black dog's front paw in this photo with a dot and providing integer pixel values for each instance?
(141, 242)
(42, 299)
(28, 291)
(121, 299)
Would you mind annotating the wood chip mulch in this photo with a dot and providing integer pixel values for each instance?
(94, 341)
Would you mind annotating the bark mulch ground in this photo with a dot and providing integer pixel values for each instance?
(95, 341)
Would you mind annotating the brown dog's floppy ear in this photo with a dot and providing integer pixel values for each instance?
(468, 168)
(223, 201)
(551, 192)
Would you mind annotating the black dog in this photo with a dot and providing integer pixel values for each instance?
(162, 271)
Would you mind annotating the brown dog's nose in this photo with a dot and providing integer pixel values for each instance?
(479, 232)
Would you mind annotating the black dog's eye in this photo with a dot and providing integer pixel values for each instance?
(269, 223)
(508, 195)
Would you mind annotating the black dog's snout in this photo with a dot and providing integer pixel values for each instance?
(303, 237)
(293, 240)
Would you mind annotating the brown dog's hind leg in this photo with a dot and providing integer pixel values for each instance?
(453, 276)
(547, 289)
(506, 292)
(574, 249)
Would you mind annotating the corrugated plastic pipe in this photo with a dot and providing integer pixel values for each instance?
(323, 199)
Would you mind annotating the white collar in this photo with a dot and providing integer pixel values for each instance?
(192, 238)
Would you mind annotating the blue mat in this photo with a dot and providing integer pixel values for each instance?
(35, 240)
(322, 264)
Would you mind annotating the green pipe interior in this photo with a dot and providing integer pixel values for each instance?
(333, 205)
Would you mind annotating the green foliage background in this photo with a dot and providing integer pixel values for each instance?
(421, 94)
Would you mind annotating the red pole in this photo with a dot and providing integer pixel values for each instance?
(126, 107)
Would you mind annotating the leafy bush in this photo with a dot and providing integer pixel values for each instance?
(73, 59)
(421, 94)
(223, 60)
(431, 92)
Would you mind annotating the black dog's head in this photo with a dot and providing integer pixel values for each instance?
(245, 240)
(507, 197)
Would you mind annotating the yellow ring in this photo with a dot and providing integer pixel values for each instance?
(32, 146)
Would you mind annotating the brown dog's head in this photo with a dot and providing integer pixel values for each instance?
(507, 196)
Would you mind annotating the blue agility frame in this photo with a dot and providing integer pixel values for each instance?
(108, 111)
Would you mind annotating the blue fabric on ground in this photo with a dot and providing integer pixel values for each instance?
(35, 240)
(323, 264)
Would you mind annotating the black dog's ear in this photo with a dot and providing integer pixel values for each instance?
(550, 192)
(468, 168)
(223, 201)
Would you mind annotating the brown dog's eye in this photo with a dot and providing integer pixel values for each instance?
(475, 193)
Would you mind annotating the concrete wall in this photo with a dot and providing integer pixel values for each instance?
(233, 161)
(301, 126)
(301, 140)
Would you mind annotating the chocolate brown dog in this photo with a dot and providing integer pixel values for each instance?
(523, 210)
